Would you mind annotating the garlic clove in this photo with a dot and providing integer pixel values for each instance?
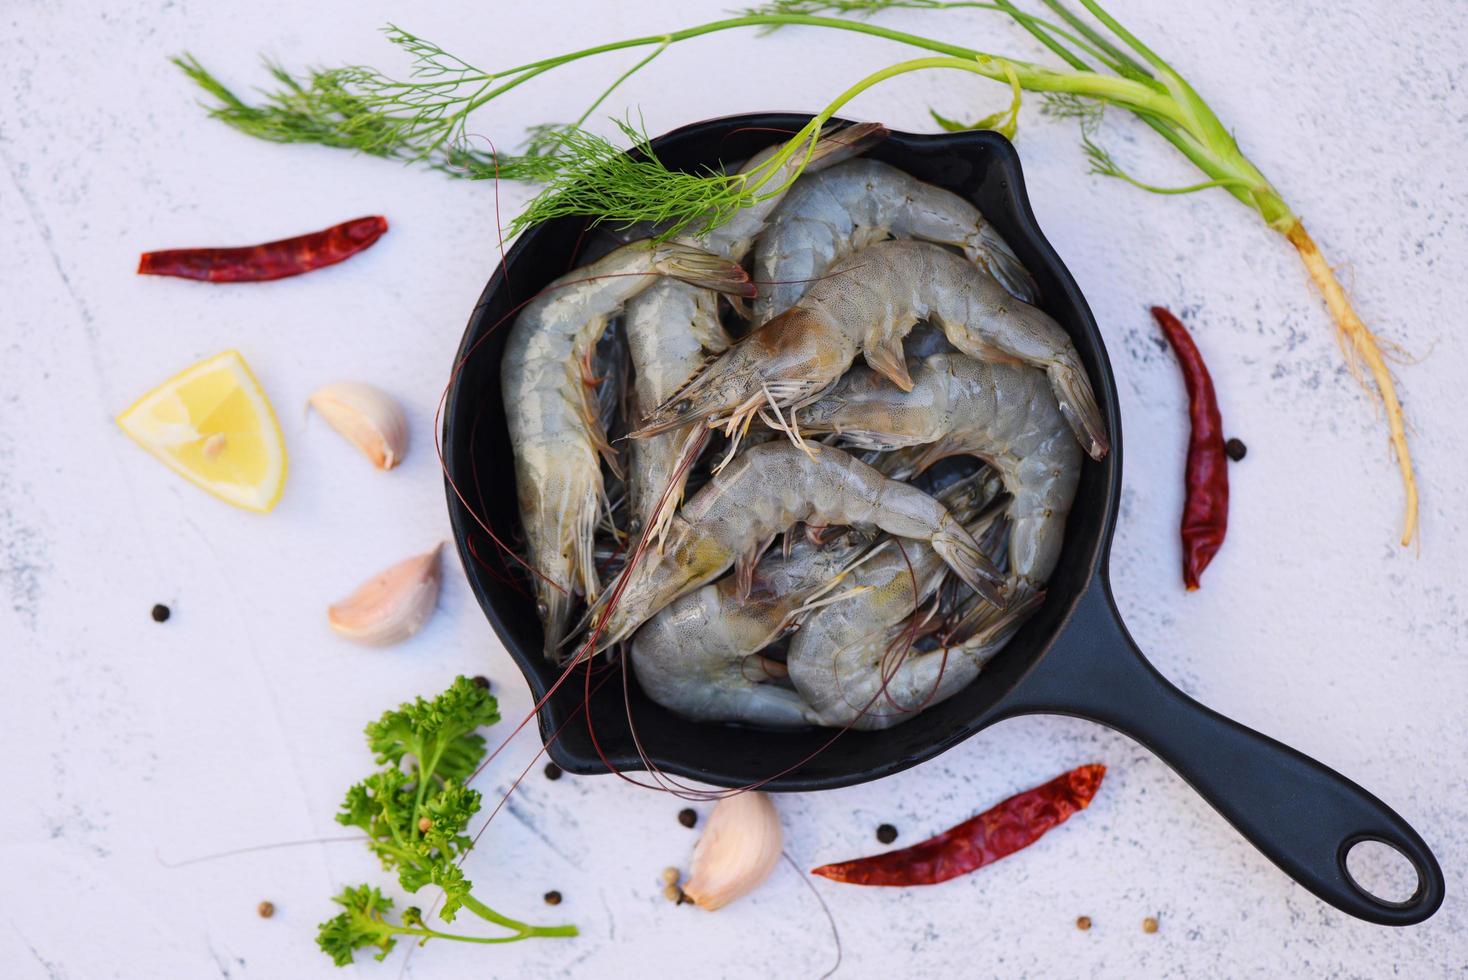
(392, 605)
(369, 417)
(737, 851)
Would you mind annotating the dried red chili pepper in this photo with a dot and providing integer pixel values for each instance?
(272, 260)
(1012, 825)
(1205, 511)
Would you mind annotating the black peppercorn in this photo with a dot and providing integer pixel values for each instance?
(553, 897)
(886, 833)
(482, 681)
(687, 817)
(1235, 449)
(552, 771)
(161, 613)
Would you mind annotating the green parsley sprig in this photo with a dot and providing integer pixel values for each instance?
(415, 811)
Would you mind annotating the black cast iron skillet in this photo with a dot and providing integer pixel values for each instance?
(1073, 657)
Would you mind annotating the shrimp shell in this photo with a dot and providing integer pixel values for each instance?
(868, 303)
(673, 327)
(831, 214)
(878, 680)
(553, 416)
(1002, 413)
(698, 656)
(855, 663)
(765, 490)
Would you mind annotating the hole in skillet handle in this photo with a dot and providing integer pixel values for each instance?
(1377, 869)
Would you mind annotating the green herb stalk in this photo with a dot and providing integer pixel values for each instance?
(415, 811)
(424, 119)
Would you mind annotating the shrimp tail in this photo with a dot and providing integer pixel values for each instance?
(994, 255)
(886, 358)
(1078, 405)
(961, 553)
(904, 462)
(898, 462)
(744, 567)
(695, 438)
(992, 527)
(837, 143)
(988, 628)
(742, 311)
(703, 269)
(555, 622)
(975, 500)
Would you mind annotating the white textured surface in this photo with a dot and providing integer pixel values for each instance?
(236, 723)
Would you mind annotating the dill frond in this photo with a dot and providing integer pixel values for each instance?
(421, 119)
(424, 119)
(589, 175)
(1067, 105)
(1102, 163)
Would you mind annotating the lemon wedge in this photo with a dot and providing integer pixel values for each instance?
(212, 425)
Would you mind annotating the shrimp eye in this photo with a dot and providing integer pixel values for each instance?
(542, 610)
(682, 405)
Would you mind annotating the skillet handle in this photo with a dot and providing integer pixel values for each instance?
(1301, 814)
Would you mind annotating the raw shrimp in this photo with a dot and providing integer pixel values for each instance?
(836, 144)
(766, 489)
(699, 655)
(869, 303)
(673, 327)
(829, 215)
(855, 662)
(552, 415)
(860, 672)
(611, 369)
(1002, 413)
(838, 661)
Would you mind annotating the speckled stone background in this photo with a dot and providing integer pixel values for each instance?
(132, 746)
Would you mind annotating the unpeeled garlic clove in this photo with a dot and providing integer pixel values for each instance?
(392, 605)
(737, 851)
(369, 417)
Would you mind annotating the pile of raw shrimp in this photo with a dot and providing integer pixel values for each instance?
(896, 576)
